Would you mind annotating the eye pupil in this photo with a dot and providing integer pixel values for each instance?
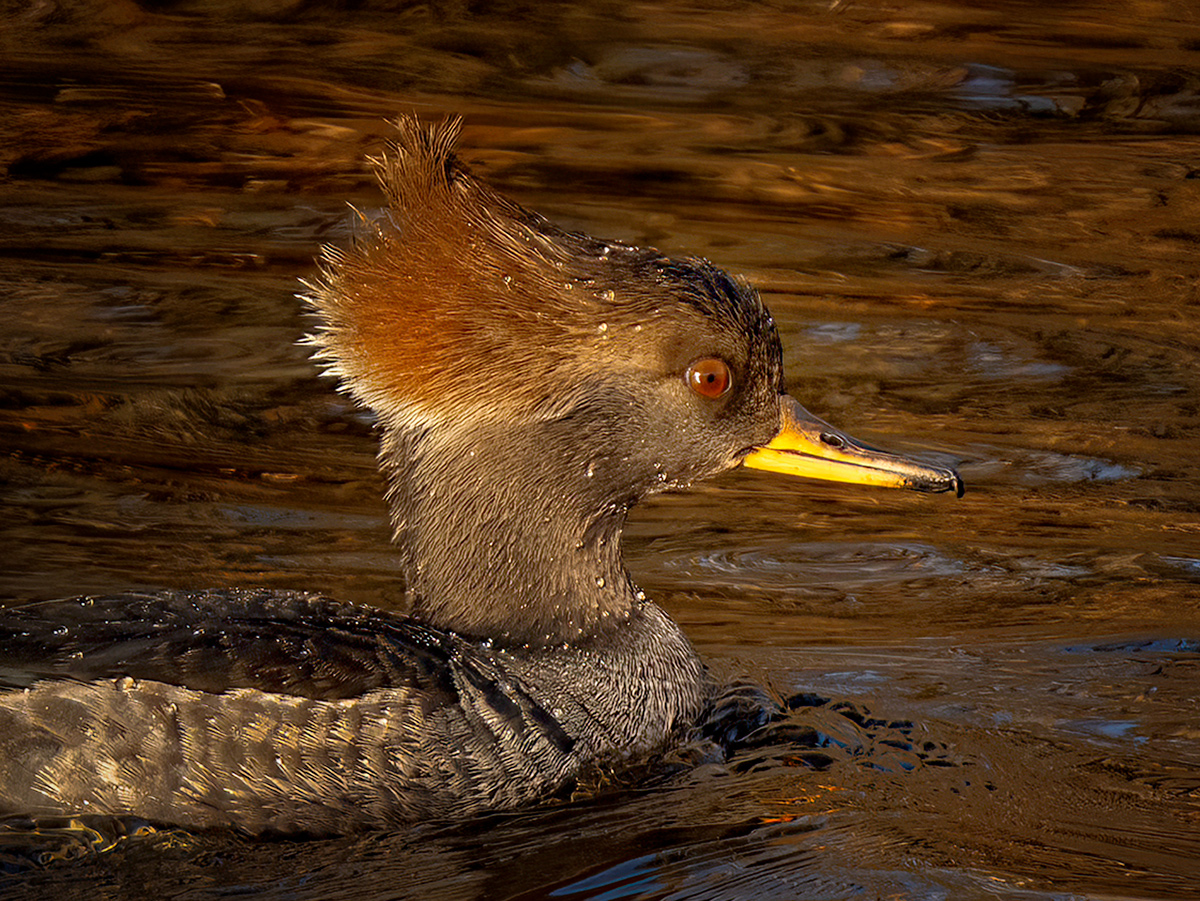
(709, 377)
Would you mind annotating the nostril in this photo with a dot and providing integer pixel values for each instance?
(833, 440)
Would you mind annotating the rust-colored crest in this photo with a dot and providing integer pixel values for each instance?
(431, 314)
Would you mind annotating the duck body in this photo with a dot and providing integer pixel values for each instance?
(530, 385)
(279, 712)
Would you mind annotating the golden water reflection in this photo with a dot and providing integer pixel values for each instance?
(976, 229)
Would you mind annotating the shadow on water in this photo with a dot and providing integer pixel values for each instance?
(976, 230)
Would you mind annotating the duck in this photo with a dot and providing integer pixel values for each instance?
(530, 385)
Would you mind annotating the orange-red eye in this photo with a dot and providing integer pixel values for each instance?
(709, 377)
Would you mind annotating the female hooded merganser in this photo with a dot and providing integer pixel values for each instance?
(530, 385)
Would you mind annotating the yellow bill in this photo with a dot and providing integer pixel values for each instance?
(807, 446)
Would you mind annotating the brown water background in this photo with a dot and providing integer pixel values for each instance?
(977, 225)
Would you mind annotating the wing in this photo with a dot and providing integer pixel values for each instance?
(280, 642)
(276, 641)
(423, 723)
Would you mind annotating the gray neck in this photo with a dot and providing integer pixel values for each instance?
(510, 539)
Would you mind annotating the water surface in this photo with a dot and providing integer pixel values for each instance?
(976, 228)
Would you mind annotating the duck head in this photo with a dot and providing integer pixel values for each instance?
(532, 384)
